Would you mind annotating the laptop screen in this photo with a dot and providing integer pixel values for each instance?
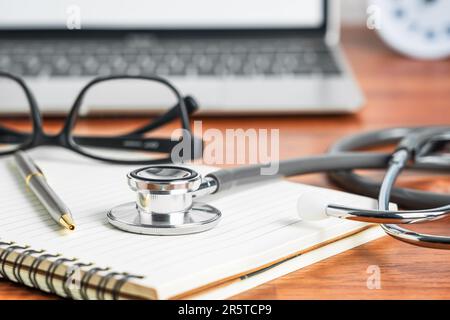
(161, 14)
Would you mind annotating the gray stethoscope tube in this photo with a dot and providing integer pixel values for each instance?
(410, 147)
(165, 194)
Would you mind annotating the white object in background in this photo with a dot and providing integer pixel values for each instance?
(419, 29)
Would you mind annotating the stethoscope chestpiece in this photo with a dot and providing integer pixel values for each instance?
(164, 204)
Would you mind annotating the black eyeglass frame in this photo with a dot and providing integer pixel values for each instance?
(185, 106)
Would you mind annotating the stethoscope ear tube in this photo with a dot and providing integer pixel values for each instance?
(417, 239)
(406, 137)
(414, 141)
(404, 197)
(411, 142)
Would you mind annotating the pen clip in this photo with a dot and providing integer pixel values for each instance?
(31, 175)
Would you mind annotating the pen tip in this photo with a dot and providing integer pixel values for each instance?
(66, 221)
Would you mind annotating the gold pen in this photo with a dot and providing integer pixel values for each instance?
(35, 180)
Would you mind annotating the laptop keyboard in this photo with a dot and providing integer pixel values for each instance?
(74, 58)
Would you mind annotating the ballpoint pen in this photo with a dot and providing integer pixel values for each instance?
(35, 180)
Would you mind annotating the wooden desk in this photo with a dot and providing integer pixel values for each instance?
(399, 92)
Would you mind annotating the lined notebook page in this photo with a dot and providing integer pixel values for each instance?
(259, 225)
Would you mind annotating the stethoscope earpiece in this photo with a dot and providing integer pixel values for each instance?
(311, 206)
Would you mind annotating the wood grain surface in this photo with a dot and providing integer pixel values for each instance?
(399, 92)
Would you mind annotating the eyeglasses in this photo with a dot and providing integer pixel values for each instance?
(96, 126)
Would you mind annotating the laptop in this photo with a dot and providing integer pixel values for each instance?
(233, 56)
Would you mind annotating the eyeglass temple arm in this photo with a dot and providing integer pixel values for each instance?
(172, 114)
(11, 136)
(127, 143)
(8, 135)
(190, 103)
(137, 143)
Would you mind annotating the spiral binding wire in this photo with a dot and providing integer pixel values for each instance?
(40, 256)
(86, 279)
(69, 274)
(50, 274)
(102, 285)
(17, 265)
(4, 256)
(119, 284)
(35, 268)
(5, 244)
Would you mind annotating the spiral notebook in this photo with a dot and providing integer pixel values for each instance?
(260, 237)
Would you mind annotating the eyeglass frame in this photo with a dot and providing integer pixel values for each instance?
(64, 138)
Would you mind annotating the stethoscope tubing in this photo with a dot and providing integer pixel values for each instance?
(404, 197)
(387, 216)
(342, 160)
(230, 178)
(407, 147)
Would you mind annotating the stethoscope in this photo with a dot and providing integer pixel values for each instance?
(167, 194)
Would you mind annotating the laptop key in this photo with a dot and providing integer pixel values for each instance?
(75, 70)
